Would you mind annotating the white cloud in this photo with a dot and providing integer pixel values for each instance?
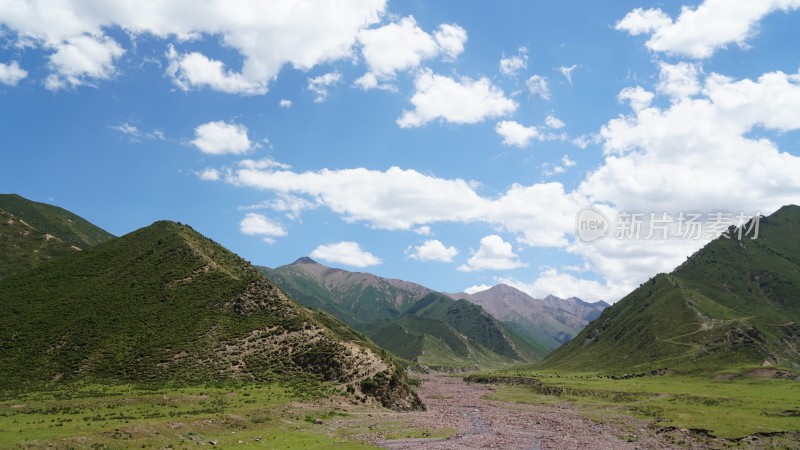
(194, 70)
(554, 122)
(567, 72)
(537, 86)
(564, 285)
(82, 59)
(511, 65)
(136, 135)
(678, 80)
(463, 101)
(403, 45)
(255, 224)
(319, 85)
(397, 199)
(291, 205)
(268, 35)
(477, 288)
(637, 97)
(284, 103)
(553, 169)
(643, 21)
(515, 134)
(433, 250)
(263, 163)
(218, 138)
(493, 254)
(347, 253)
(662, 159)
(699, 32)
(11, 73)
(423, 230)
(209, 174)
(451, 39)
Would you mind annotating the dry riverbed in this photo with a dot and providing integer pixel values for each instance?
(464, 412)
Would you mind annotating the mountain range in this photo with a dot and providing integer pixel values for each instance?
(735, 302)
(496, 327)
(550, 321)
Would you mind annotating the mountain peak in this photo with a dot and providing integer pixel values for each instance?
(303, 260)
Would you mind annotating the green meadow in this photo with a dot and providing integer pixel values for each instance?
(125, 416)
(724, 405)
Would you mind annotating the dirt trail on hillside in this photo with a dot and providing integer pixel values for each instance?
(483, 423)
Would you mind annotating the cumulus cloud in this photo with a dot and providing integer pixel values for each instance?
(218, 138)
(284, 103)
(493, 254)
(347, 253)
(511, 65)
(12, 73)
(319, 85)
(637, 97)
(537, 86)
(397, 199)
(433, 250)
(268, 35)
(554, 122)
(209, 174)
(403, 45)
(255, 224)
(699, 32)
(678, 80)
(81, 60)
(515, 134)
(662, 158)
(194, 70)
(462, 101)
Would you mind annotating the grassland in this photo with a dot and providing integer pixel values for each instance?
(239, 415)
(730, 405)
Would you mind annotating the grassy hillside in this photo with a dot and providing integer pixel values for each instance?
(166, 303)
(733, 303)
(438, 331)
(23, 246)
(58, 222)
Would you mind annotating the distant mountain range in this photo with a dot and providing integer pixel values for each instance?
(165, 303)
(495, 327)
(734, 303)
(550, 321)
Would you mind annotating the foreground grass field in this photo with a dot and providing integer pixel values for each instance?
(231, 415)
(731, 406)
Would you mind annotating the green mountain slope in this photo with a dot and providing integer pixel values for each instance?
(23, 246)
(166, 303)
(355, 298)
(734, 302)
(58, 222)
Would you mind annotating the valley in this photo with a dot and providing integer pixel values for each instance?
(162, 338)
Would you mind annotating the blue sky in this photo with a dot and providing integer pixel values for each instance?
(448, 143)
